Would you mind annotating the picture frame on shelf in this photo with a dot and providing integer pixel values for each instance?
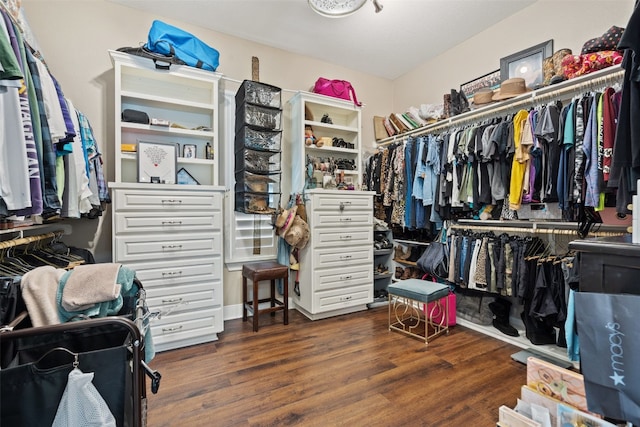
(527, 64)
(189, 151)
(490, 80)
(157, 162)
(185, 178)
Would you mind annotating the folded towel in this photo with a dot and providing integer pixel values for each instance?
(90, 284)
(39, 287)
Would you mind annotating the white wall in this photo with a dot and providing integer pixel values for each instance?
(74, 36)
(568, 22)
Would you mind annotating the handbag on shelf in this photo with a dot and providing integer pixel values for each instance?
(341, 89)
(169, 40)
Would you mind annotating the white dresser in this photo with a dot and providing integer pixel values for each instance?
(336, 274)
(170, 234)
(173, 240)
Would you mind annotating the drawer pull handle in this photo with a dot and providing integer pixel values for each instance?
(345, 219)
(173, 201)
(343, 204)
(171, 222)
(176, 328)
(345, 257)
(347, 237)
(172, 273)
(171, 300)
(345, 278)
(171, 246)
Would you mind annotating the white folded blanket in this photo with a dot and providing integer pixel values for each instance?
(90, 284)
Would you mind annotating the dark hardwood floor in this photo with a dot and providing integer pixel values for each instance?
(343, 371)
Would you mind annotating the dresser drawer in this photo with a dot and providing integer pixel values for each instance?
(345, 203)
(166, 201)
(185, 326)
(163, 222)
(338, 298)
(346, 236)
(338, 257)
(345, 277)
(178, 272)
(337, 218)
(166, 247)
(183, 298)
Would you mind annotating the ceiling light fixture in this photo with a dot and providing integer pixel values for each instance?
(340, 8)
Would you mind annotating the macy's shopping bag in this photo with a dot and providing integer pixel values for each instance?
(609, 350)
(169, 40)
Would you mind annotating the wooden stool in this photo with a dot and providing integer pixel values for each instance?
(408, 313)
(267, 270)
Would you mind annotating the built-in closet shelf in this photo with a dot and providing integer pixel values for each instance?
(382, 276)
(26, 231)
(404, 262)
(382, 251)
(411, 242)
(537, 226)
(561, 90)
(519, 341)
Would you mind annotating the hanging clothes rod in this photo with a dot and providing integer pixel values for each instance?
(532, 230)
(567, 88)
(30, 239)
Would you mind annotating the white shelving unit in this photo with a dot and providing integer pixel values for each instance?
(171, 234)
(187, 97)
(346, 124)
(336, 267)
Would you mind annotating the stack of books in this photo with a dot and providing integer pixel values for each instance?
(398, 123)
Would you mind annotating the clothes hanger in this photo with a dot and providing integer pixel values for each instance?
(53, 351)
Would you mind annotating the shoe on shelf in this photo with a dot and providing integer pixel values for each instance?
(326, 119)
(399, 272)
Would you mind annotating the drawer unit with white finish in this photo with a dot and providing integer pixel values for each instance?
(172, 238)
(336, 266)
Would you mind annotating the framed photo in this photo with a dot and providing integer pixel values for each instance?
(157, 162)
(189, 151)
(185, 177)
(490, 80)
(527, 64)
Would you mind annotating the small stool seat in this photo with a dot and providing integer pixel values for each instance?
(257, 272)
(408, 312)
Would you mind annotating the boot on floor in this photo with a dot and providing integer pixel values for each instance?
(501, 309)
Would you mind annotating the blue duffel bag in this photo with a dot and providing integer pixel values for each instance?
(169, 40)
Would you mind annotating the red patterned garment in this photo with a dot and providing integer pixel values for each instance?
(578, 65)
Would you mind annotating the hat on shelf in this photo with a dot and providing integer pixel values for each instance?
(285, 219)
(298, 233)
(511, 88)
(483, 97)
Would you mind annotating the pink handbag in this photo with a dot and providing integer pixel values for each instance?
(337, 89)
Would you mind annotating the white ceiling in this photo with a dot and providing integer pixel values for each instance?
(405, 34)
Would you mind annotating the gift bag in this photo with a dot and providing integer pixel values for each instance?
(609, 349)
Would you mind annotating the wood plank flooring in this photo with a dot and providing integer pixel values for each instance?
(344, 371)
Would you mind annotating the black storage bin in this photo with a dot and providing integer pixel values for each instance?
(257, 183)
(256, 161)
(259, 94)
(258, 138)
(257, 203)
(259, 116)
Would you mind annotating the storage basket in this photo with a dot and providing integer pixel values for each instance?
(259, 94)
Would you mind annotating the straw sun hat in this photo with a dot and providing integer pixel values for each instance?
(511, 88)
